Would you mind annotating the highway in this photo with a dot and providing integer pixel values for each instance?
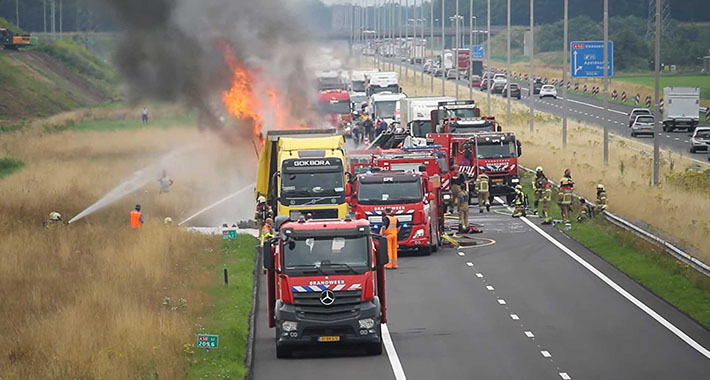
(528, 303)
(589, 110)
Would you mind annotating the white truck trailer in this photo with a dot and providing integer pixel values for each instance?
(681, 108)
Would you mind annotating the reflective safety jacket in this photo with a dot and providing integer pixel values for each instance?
(390, 227)
(601, 200)
(547, 195)
(482, 184)
(136, 219)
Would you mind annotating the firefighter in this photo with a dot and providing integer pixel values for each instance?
(564, 197)
(538, 186)
(390, 228)
(263, 212)
(600, 205)
(165, 182)
(546, 200)
(463, 210)
(267, 230)
(137, 218)
(586, 210)
(55, 218)
(519, 202)
(484, 200)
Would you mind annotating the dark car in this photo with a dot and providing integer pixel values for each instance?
(514, 91)
(497, 87)
(537, 85)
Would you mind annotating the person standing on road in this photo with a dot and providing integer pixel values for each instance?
(263, 212)
(463, 210)
(390, 229)
(484, 200)
(165, 182)
(369, 128)
(519, 202)
(564, 197)
(546, 200)
(458, 183)
(538, 187)
(145, 115)
(137, 218)
(601, 204)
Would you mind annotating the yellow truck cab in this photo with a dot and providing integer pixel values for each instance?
(303, 171)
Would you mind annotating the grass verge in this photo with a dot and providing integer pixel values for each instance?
(113, 125)
(9, 165)
(228, 316)
(670, 279)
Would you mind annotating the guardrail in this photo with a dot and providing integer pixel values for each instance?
(667, 246)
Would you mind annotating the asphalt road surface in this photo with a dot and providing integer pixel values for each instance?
(591, 111)
(532, 305)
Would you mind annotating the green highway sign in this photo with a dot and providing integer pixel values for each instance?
(208, 341)
(229, 234)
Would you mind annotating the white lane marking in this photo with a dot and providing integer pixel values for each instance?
(686, 141)
(501, 302)
(652, 313)
(586, 114)
(597, 107)
(529, 334)
(546, 354)
(565, 376)
(461, 253)
(469, 264)
(515, 317)
(490, 288)
(676, 139)
(479, 275)
(392, 354)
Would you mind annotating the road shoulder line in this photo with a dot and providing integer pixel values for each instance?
(392, 354)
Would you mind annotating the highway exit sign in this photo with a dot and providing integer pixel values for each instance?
(229, 234)
(208, 341)
(587, 59)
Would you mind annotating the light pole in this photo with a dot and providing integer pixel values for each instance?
(606, 81)
(443, 46)
(422, 41)
(657, 69)
(507, 86)
(531, 92)
(458, 46)
(399, 29)
(406, 36)
(488, 54)
(565, 46)
(470, 53)
(431, 42)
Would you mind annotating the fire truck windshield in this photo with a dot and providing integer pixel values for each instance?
(472, 126)
(335, 107)
(389, 193)
(499, 150)
(420, 128)
(315, 184)
(385, 109)
(393, 88)
(326, 254)
(358, 85)
(463, 113)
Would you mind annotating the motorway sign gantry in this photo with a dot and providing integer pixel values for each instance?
(587, 59)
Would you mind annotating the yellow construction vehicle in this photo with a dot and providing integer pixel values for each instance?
(10, 41)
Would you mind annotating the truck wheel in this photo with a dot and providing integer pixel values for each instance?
(426, 251)
(692, 149)
(633, 134)
(374, 349)
(283, 352)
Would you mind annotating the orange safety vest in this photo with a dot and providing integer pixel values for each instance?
(136, 219)
(392, 229)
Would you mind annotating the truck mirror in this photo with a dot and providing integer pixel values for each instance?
(382, 255)
(429, 186)
(279, 220)
(268, 255)
(348, 189)
(520, 149)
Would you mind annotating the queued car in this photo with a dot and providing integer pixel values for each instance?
(515, 91)
(537, 85)
(636, 112)
(451, 74)
(700, 139)
(438, 71)
(485, 83)
(548, 90)
(643, 125)
(497, 87)
(476, 80)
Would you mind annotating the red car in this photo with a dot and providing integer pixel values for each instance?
(476, 81)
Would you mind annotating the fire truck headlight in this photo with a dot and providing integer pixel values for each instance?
(418, 234)
(366, 323)
(289, 326)
(447, 197)
(515, 180)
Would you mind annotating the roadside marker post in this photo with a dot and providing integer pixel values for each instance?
(207, 341)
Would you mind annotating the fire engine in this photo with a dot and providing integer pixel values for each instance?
(325, 284)
(493, 153)
(461, 116)
(335, 105)
(414, 198)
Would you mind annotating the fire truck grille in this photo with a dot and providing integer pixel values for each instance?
(308, 305)
(329, 213)
(404, 233)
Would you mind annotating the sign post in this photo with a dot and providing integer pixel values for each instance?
(208, 341)
(587, 59)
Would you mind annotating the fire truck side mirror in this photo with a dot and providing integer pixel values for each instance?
(520, 149)
(382, 255)
(429, 187)
(430, 197)
(268, 255)
(499, 128)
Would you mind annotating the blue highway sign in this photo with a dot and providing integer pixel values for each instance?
(587, 59)
(479, 52)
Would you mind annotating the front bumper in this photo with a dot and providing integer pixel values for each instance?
(309, 331)
(409, 241)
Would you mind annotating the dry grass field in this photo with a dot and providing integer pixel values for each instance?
(675, 211)
(87, 300)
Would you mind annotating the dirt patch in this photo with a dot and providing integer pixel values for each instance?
(43, 62)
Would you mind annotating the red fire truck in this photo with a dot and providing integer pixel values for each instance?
(335, 105)
(325, 284)
(461, 116)
(493, 153)
(414, 198)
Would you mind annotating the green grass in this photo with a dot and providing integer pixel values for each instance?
(667, 80)
(9, 165)
(10, 128)
(115, 125)
(229, 315)
(668, 278)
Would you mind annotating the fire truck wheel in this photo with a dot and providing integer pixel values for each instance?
(283, 352)
(426, 251)
(374, 348)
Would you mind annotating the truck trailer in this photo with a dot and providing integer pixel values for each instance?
(303, 172)
(681, 108)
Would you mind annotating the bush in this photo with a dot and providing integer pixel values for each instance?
(692, 180)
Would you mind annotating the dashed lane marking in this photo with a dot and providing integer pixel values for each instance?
(501, 302)
(514, 317)
(623, 292)
(490, 288)
(546, 354)
(529, 334)
(392, 354)
(565, 376)
(461, 254)
(479, 275)
(469, 264)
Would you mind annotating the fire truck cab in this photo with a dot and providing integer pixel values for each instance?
(336, 107)
(461, 116)
(325, 284)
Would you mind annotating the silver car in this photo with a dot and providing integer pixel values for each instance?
(642, 125)
(699, 139)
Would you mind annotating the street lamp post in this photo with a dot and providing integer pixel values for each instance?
(508, 69)
(656, 88)
(458, 36)
(531, 91)
(431, 41)
(606, 81)
(470, 53)
(488, 55)
(443, 46)
(564, 75)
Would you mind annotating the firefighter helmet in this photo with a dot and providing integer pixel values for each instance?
(518, 187)
(261, 199)
(600, 187)
(538, 169)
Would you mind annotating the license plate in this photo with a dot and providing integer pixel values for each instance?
(329, 339)
(497, 180)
